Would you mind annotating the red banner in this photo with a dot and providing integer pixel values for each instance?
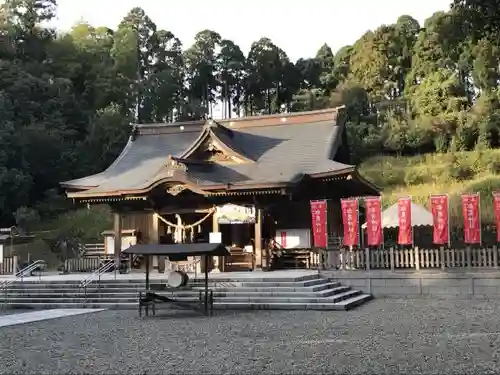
(405, 235)
(373, 211)
(350, 221)
(320, 234)
(283, 239)
(472, 221)
(439, 209)
(496, 207)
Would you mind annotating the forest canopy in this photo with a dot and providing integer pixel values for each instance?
(67, 99)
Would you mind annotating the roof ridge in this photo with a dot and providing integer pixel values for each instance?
(286, 115)
(240, 120)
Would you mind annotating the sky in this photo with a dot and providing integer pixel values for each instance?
(299, 28)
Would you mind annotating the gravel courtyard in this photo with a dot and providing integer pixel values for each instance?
(385, 336)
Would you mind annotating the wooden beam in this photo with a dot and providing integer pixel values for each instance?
(180, 211)
(215, 228)
(258, 238)
(118, 238)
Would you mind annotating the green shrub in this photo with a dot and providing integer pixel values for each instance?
(491, 162)
(415, 176)
(494, 166)
(461, 172)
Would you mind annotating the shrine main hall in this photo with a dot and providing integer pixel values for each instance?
(243, 182)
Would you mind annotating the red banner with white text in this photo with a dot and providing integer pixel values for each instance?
(440, 222)
(405, 235)
(496, 208)
(373, 212)
(319, 224)
(472, 220)
(350, 221)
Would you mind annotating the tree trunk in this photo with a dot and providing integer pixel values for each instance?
(229, 109)
(268, 96)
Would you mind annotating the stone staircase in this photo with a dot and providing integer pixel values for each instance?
(310, 292)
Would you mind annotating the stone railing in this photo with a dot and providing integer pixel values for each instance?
(416, 258)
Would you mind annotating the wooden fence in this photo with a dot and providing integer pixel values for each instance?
(94, 249)
(85, 264)
(392, 259)
(8, 266)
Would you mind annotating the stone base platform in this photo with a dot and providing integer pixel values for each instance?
(451, 282)
(280, 290)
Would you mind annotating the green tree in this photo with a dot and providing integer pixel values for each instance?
(231, 72)
(201, 70)
(481, 18)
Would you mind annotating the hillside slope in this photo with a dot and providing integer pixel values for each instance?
(450, 173)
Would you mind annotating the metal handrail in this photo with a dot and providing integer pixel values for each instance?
(96, 275)
(20, 275)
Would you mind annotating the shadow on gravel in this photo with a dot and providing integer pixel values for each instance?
(165, 314)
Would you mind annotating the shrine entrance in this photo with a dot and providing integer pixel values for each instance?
(236, 225)
(239, 239)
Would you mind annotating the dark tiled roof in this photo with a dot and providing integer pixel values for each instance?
(140, 160)
(278, 149)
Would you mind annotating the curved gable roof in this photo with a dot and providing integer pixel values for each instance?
(215, 132)
(275, 149)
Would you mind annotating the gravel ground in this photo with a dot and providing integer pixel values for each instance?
(385, 336)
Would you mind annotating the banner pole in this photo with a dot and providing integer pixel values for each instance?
(432, 212)
(381, 224)
(479, 214)
(326, 223)
(359, 228)
(411, 220)
(465, 218)
(449, 226)
(495, 194)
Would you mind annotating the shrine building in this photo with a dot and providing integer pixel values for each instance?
(243, 182)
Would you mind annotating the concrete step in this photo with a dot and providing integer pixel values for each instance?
(343, 305)
(76, 299)
(298, 279)
(276, 292)
(77, 305)
(110, 293)
(279, 299)
(72, 286)
(219, 305)
(284, 283)
(291, 288)
(305, 281)
(103, 285)
(317, 285)
(353, 302)
(108, 278)
(71, 291)
(48, 294)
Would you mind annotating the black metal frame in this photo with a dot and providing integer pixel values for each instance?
(205, 300)
(204, 303)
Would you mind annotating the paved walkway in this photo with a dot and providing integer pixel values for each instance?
(155, 275)
(36, 316)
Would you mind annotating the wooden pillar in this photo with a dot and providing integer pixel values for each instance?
(118, 237)
(147, 271)
(215, 229)
(258, 239)
(155, 239)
